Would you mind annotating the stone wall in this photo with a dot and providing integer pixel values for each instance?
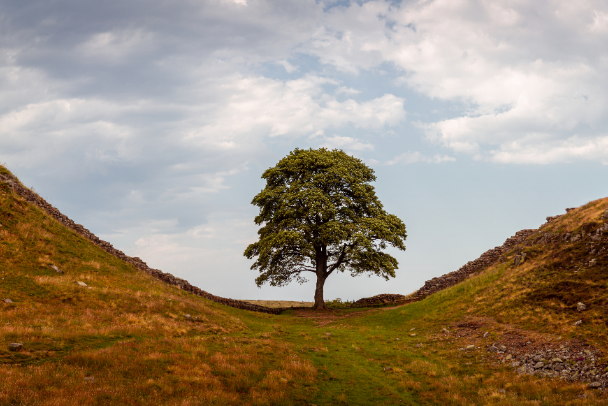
(486, 259)
(35, 199)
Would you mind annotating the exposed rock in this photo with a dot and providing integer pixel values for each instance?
(79, 283)
(7, 300)
(15, 346)
(54, 268)
(580, 306)
(595, 385)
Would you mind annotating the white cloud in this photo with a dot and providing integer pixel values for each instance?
(115, 46)
(347, 143)
(289, 68)
(415, 157)
(526, 71)
(257, 105)
(347, 90)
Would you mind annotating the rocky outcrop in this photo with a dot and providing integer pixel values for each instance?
(33, 198)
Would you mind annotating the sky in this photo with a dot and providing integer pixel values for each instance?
(151, 122)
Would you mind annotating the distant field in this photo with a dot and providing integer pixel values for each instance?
(280, 303)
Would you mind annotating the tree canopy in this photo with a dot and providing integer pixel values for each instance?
(320, 214)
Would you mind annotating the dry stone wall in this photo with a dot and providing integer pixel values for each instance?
(486, 259)
(383, 299)
(33, 198)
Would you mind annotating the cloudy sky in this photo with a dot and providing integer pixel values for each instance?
(151, 122)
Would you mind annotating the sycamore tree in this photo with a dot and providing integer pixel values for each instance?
(320, 214)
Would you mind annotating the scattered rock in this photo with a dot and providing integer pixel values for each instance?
(89, 379)
(519, 259)
(15, 346)
(187, 316)
(470, 347)
(595, 385)
(578, 323)
(413, 335)
(7, 300)
(79, 283)
(328, 334)
(388, 369)
(397, 339)
(580, 306)
(445, 330)
(54, 268)
(413, 328)
(486, 334)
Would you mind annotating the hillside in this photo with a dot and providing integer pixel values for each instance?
(97, 330)
(501, 330)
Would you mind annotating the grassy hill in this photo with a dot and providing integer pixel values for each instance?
(127, 338)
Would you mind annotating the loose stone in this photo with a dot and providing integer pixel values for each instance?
(54, 268)
(15, 346)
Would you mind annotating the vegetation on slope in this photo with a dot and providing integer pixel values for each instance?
(127, 339)
(564, 263)
(123, 339)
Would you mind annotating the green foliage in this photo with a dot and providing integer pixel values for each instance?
(320, 214)
(338, 304)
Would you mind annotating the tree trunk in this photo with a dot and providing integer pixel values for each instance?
(319, 302)
(321, 276)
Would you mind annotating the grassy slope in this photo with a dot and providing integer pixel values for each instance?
(129, 333)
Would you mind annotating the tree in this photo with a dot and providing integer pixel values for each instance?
(320, 214)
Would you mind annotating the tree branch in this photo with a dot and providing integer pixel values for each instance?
(340, 259)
